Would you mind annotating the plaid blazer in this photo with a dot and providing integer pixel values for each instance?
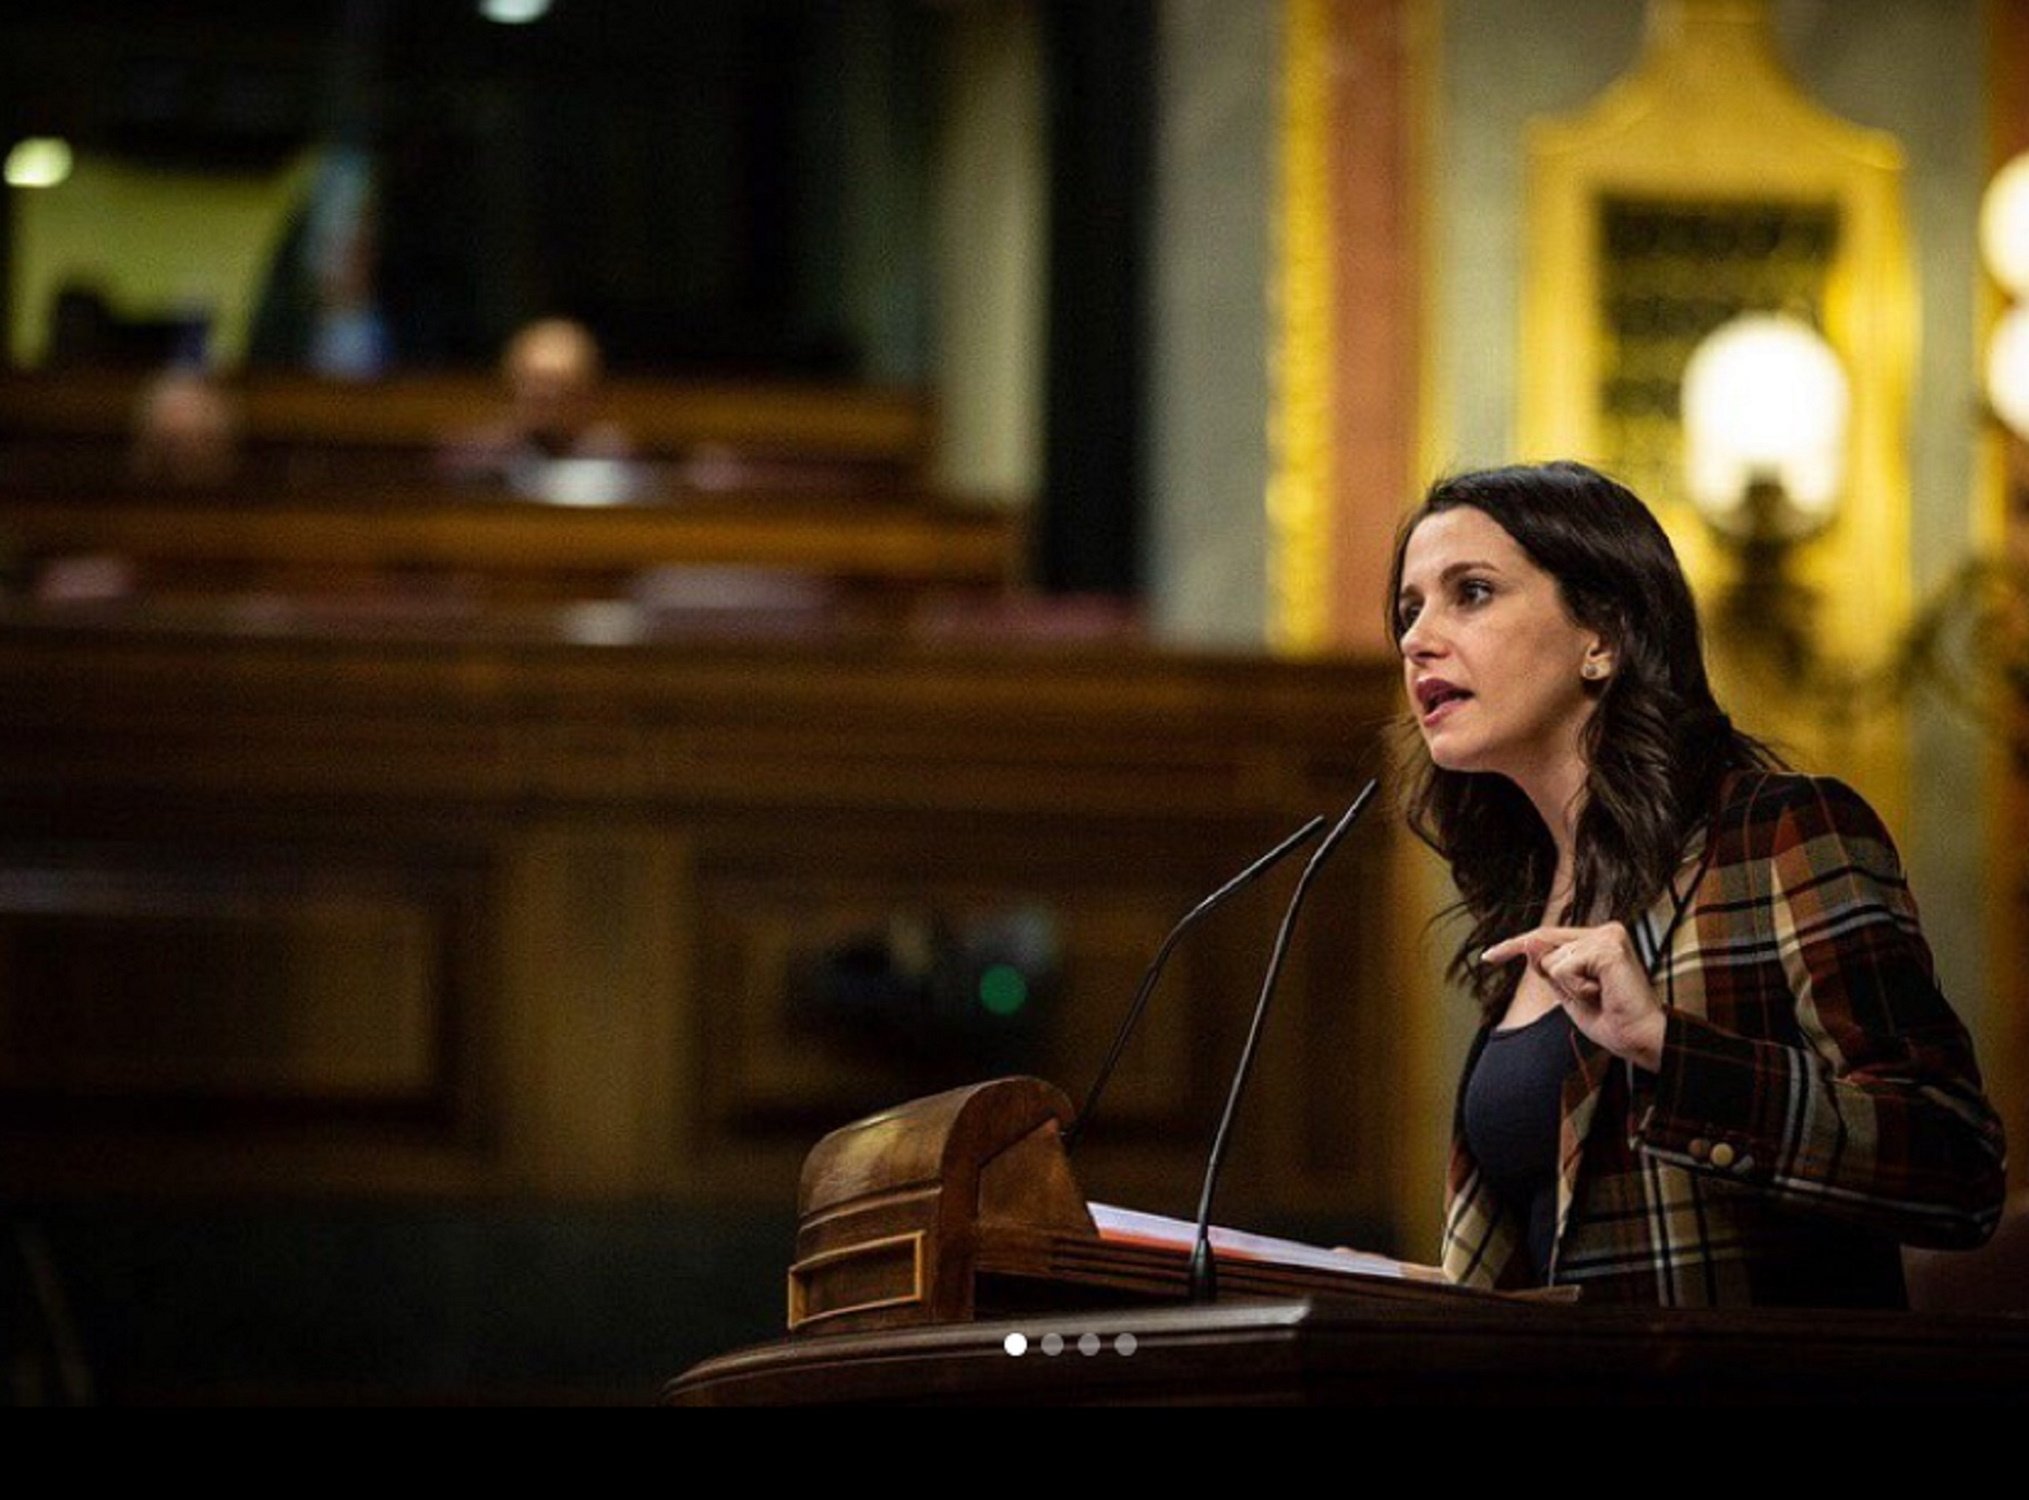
(1817, 1101)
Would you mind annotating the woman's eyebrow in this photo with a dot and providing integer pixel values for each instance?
(1465, 567)
(1451, 571)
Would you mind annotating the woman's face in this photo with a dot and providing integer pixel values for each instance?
(1495, 665)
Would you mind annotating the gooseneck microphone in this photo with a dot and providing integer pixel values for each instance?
(1266, 862)
(1204, 1275)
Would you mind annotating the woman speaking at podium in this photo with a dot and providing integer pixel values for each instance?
(1715, 1067)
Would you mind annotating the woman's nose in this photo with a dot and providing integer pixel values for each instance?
(1419, 640)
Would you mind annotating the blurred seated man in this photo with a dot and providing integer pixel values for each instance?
(186, 433)
(551, 445)
(186, 436)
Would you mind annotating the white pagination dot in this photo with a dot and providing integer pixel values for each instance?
(1016, 1344)
(1125, 1344)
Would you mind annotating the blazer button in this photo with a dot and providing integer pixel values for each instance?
(1700, 1149)
(1722, 1155)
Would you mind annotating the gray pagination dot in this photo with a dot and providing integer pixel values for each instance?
(1125, 1344)
(1088, 1344)
(1053, 1343)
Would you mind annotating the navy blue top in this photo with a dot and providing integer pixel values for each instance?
(1511, 1122)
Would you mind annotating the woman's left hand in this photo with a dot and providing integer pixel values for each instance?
(1599, 977)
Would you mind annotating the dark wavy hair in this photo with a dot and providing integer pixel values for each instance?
(1656, 746)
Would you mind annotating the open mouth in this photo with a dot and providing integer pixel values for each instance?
(1433, 697)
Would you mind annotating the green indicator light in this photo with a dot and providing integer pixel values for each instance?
(1002, 989)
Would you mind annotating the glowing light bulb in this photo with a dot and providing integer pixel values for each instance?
(2008, 371)
(38, 162)
(514, 12)
(1765, 398)
(2004, 225)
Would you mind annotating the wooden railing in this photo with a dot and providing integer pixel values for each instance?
(891, 428)
(338, 488)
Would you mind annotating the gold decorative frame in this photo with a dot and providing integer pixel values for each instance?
(1301, 300)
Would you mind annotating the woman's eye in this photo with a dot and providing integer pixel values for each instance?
(1475, 591)
(1405, 615)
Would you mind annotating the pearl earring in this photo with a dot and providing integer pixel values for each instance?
(1594, 670)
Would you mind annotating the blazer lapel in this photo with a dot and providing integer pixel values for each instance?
(1579, 1105)
(1591, 1063)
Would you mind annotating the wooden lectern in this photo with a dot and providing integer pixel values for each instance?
(963, 1206)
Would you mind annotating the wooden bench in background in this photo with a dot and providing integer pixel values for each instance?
(337, 492)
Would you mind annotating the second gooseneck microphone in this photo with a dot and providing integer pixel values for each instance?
(1204, 1274)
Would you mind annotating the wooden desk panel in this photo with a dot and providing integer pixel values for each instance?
(576, 885)
(1347, 1353)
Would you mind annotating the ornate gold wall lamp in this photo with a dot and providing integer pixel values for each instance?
(2001, 639)
(1766, 411)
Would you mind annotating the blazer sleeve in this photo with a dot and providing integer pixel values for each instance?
(1869, 1107)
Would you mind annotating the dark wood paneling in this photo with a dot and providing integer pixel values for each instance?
(593, 877)
(136, 974)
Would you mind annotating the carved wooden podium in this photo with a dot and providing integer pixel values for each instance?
(945, 1254)
(963, 1205)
